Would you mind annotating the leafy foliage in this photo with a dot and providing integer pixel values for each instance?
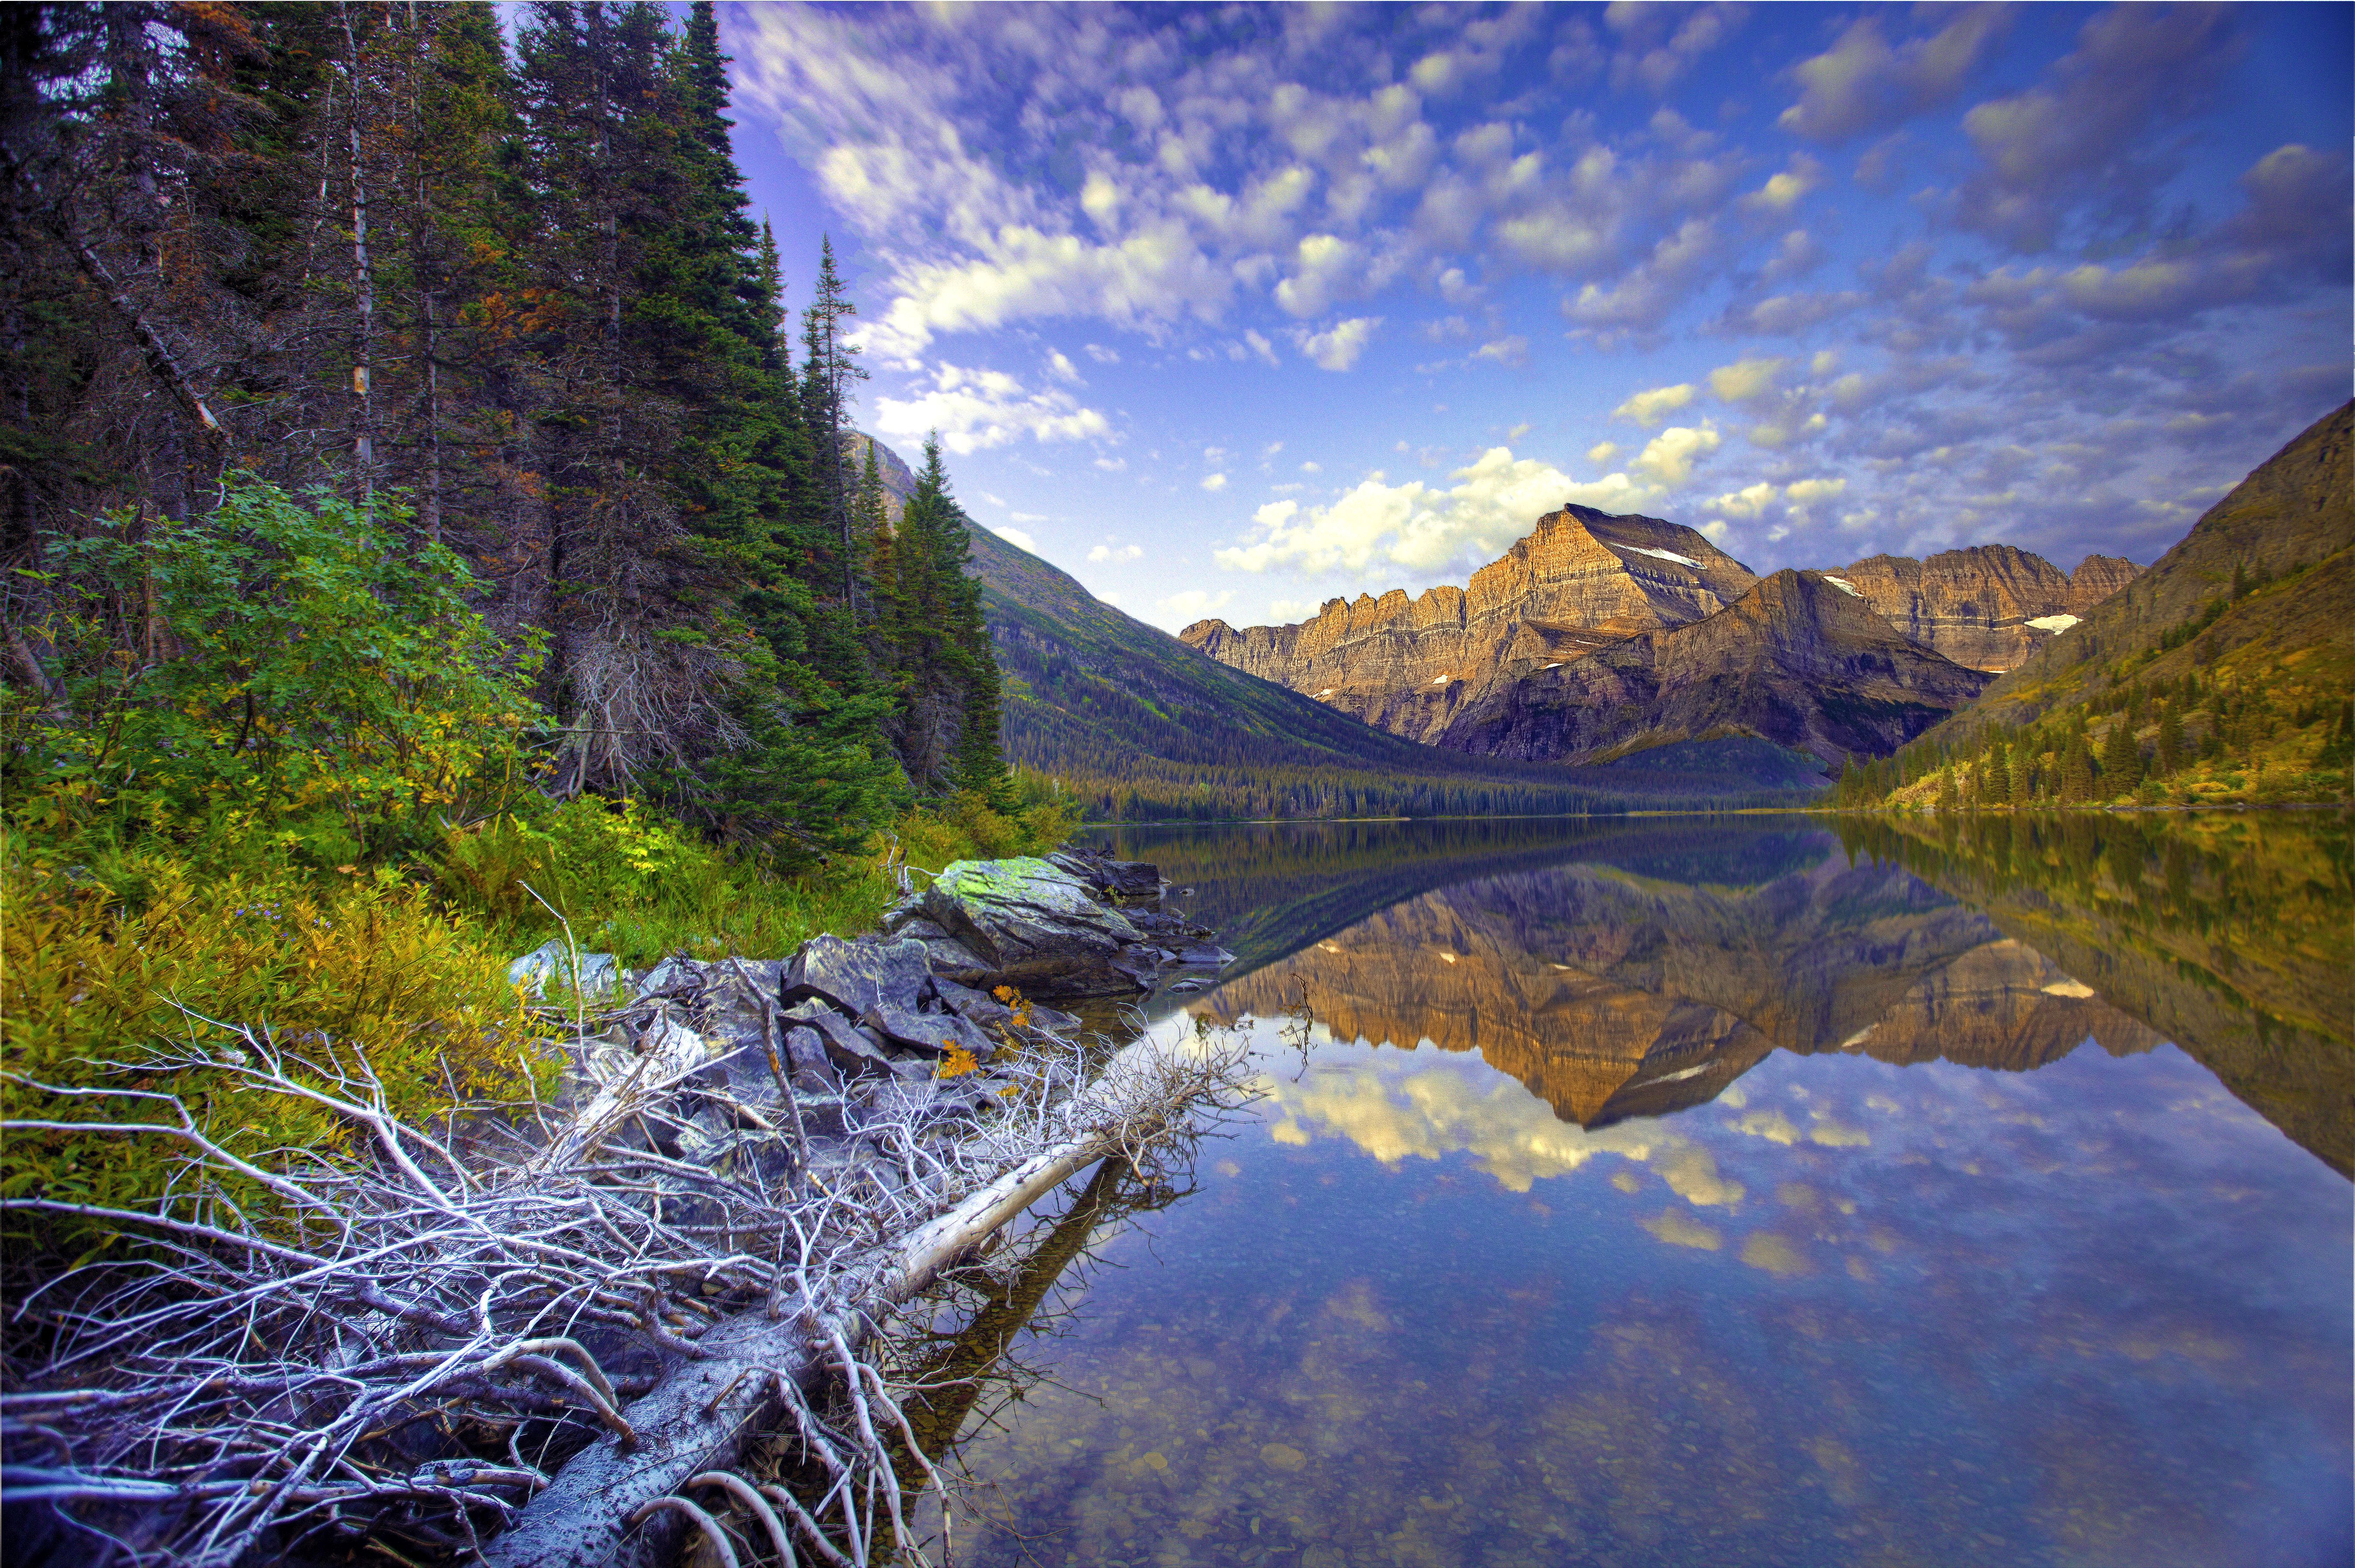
(287, 662)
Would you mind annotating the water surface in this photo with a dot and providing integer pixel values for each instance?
(1720, 1192)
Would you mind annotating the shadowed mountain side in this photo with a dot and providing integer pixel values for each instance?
(1612, 996)
(1146, 726)
(1581, 579)
(1796, 661)
(1980, 606)
(2295, 511)
(2227, 935)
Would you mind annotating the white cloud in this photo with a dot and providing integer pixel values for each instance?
(1649, 409)
(1113, 464)
(1101, 355)
(1270, 449)
(1745, 503)
(1806, 492)
(1337, 349)
(1518, 432)
(1514, 350)
(1109, 552)
(1862, 84)
(1420, 526)
(1782, 192)
(1184, 608)
(1670, 455)
(1601, 452)
(1745, 379)
(1016, 537)
(1283, 612)
(1312, 467)
(1214, 483)
(1062, 368)
(977, 409)
(1030, 517)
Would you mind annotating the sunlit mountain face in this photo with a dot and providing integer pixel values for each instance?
(1714, 1190)
(1233, 311)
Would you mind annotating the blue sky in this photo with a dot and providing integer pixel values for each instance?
(1230, 310)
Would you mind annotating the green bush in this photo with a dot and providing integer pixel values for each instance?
(288, 666)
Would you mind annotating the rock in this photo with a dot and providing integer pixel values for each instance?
(953, 961)
(1120, 879)
(855, 975)
(1798, 661)
(847, 1047)
(1204, 955)
(670, 975)
(934, 1033)
(550, 963)
(1987, 607)
(804, 1051)
(975, 1007)
(1033, 925)
(1583, 580)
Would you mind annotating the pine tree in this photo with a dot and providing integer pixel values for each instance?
(2121, 759)
(2076, 769)
(2171, 739)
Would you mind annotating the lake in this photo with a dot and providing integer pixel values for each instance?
(1734, 1191)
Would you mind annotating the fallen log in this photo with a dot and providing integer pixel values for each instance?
(755, 1370)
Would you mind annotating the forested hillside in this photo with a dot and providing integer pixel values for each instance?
(2219, 675)
(503, 313)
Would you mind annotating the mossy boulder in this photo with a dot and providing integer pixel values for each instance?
(1033, 925)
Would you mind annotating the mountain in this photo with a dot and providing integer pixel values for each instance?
(1990, 606)
(1799, 660)
(2232, 653)
(1143, 725)
(1583, 580)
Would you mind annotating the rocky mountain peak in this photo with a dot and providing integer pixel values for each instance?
(1581, 580)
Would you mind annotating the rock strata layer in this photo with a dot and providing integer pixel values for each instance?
(1798, 660)
(1990, 606)
(1583, 580)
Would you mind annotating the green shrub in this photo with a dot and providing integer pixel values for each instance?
(290, 667)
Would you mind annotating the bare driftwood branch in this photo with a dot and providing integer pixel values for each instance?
(520, 1341)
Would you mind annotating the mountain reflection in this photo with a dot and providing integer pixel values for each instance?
(1611, 995)
(1624, 972)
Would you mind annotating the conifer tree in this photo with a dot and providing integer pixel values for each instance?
(2121, 759)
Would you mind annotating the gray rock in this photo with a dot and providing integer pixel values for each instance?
(550, 963)
(1113, 878)
(973, 1007)
(1204, 955)
(855, 975)
(846, 1046)
(953, 961)
(930, 1032)
(1035, 925)
(804, 1050)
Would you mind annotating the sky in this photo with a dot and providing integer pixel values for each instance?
(1230, 310)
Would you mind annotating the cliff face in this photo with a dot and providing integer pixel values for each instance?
(1981, 606)
(1798, 660)
(1583, 580)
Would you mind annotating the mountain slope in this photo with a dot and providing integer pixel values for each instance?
(1581, 579)
(2256, 600)
(1799, 660)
